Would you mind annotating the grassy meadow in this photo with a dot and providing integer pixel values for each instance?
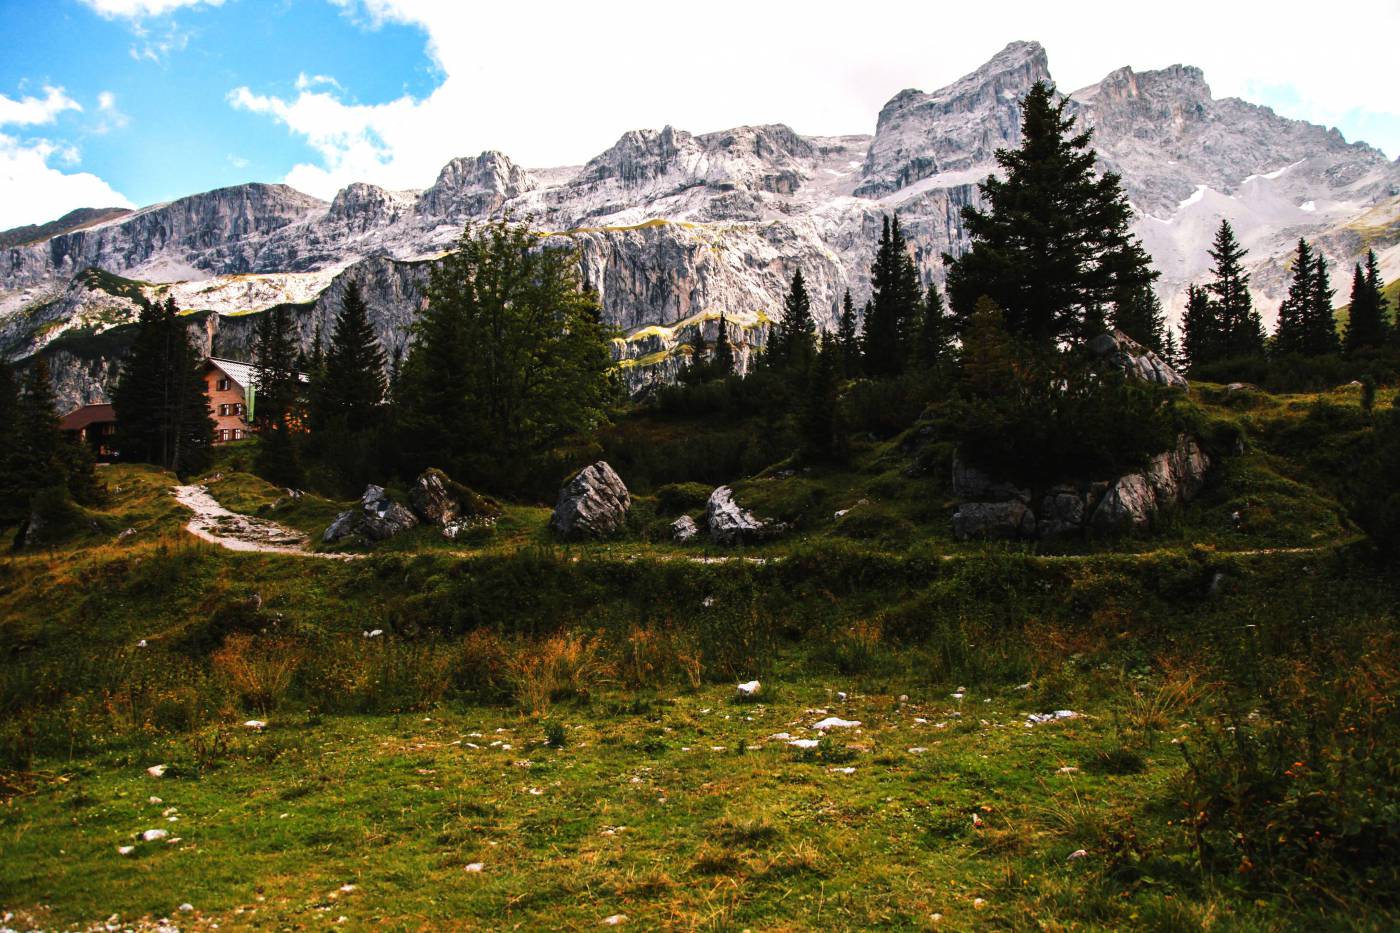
(544, 736)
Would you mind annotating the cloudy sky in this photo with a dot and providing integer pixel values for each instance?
(130, 102)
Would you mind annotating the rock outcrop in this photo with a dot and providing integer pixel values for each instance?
(684, 529)
(1171, 479)
(377, 518)
(1135, 361)
(1131, 502)
(729, 524)
(593, 504)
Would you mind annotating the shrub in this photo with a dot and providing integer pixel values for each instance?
(653, 657)
(258, 669)
(677, 498)
(482, 670)
(1302, 792)
(563, 666)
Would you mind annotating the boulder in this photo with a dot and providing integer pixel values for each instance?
(971, 483)
(593, 504)
(1135, 361)
(341, 527)
(432, 500)
(382, 517)
(729, 524)
(684, 529)
(1010, 519)
(1170, 480)
(377, 519)
(1062, 512)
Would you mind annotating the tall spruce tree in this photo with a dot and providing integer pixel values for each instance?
(1201, 337)
(1138, 314)
(511, 357)
(11, 505)
(724, 350)
(1240, 329)
(355, 377)
(1367, 325)
(278, 398)
(37, 439)
(1319, 320)
(818, 411)
(1289, 337)
(847, 337)
(162, 408)
(1053, 248)
(893, 311)
(793, 342)
(934, 347)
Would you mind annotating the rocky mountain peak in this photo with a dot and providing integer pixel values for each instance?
(639, 156)
(957, 127)
(477, 185)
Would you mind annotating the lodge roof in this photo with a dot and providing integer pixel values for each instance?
(84, 415)
(243, 373)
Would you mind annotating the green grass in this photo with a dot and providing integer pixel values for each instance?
(667, 800)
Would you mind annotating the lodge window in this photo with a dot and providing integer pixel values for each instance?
(223, 435)
(223, 385)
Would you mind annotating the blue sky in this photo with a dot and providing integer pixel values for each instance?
(138, 101)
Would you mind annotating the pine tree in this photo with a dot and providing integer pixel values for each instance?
(277, 394)
(935, 337)
(352, 384)
(1367, 325)
(1241, 330)
(1139, 315)
(1319, 321)
(510, 358)
(1201, 333)
(893, 311)
(36, 438)
(847, 338)
(162, 410)
(1053, 248)
(793, 343)
(1289, 336)
(11, 505)
(1171, 350)
(724, 351)
(819, 422)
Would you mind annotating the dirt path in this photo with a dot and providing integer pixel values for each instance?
(218, 525)
(238, 532)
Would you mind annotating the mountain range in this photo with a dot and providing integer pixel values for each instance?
(674, 228)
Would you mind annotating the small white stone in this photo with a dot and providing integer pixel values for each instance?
(836, 722)
(1078, 853)
(978, 903)
(257, 725)
(156, 800)
(186, 908)
(125, 850)
(475, 867)
(151, 835)
(917, 750)
(156, 770)
(750, 688)
(615, 920)
(804, 743)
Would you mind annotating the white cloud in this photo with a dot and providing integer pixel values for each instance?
(32, 191)
(565, 88)
(135, 9)
(32, 110)
(305, 81)
(111, 116)
(237, 161)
